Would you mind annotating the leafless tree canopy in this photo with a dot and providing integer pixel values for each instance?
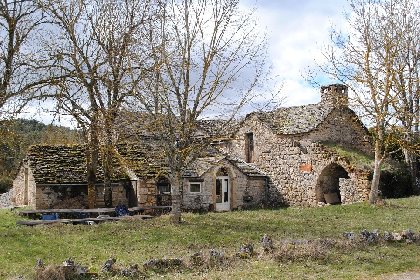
(207, 57)
(21, 70)
(379, 59)
(96, 47)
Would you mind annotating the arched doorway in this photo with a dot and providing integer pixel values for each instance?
(222, 190)
(328, 187)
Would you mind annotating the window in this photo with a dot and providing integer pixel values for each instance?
(249, 146)
(163, 186)
(195, 187)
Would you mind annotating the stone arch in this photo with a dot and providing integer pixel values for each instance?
(328, 183)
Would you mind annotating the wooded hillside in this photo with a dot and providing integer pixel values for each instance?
(17, 135)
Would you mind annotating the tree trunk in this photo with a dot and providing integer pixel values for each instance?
(374, 190)
(92, 155)
(107, 165)
(176, 185)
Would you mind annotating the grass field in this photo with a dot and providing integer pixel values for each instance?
(137, 241)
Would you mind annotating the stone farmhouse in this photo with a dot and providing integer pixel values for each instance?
(271, 158)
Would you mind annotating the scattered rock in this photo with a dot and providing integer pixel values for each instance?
(163, 264)
(216, 257)
(349, 235)
(408, 235)
(369, 237)
(68, 262)
(267, 243)
(108, 265)
(397, 236)
(197, 259)
(69, 270)
(246, 251)
(39, 263)
(388, 237)
(131, 271)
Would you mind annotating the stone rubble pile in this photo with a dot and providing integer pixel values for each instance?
(374, 236)
(285, 251)
(6, 199)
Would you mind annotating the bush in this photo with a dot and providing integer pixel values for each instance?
(395, 180)
(6, 184)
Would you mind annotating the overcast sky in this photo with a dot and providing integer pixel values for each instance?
(297, 30)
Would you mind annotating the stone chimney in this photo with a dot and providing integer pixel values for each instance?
(335, 95)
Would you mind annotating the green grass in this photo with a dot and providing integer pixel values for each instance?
(138, 241)
(356, 158)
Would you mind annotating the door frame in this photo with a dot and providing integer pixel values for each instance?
(223, 206)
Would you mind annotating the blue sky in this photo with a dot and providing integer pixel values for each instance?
(297, 30)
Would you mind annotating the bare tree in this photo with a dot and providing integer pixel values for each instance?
(368, 58)
(97, 46)
(406, 76)
(21, 74)
(207, 56)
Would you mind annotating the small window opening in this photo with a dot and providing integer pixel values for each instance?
(163, 186)
(195, 187)
(249, 147)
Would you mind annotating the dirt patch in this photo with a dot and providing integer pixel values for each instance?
(403, 276)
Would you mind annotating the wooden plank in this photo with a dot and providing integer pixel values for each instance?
(67, 211)
(102, 219)
(95, 210)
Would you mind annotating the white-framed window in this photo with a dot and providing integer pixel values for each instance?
(195, 187)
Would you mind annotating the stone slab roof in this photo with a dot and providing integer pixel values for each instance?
(144, 158)
(296, 119)
(246, 168)
(217, 129)
(65, 164)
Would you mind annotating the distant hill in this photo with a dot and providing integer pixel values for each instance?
(17, 135)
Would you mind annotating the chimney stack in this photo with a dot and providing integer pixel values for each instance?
(335, 95)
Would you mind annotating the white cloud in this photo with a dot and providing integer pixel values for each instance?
(297, 30)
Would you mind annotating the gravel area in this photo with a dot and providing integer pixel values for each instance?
(6, 199)
(404, 276)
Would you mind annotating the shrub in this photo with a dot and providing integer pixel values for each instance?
(6, 184)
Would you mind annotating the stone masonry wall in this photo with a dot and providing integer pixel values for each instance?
(341, 126)
(146, 192)
(245, 192)
(24, 195)
(294, 163)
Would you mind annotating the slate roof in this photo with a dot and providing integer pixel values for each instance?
(65, 164)
(296, 119)
(300, 119)
(203, 164)
(144, 158)
(217, 129)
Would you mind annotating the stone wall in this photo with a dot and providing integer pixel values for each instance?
(340, 126)
(294, 162)
(24, 187)
(245, 192)
(146, 192)
(61, 197)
